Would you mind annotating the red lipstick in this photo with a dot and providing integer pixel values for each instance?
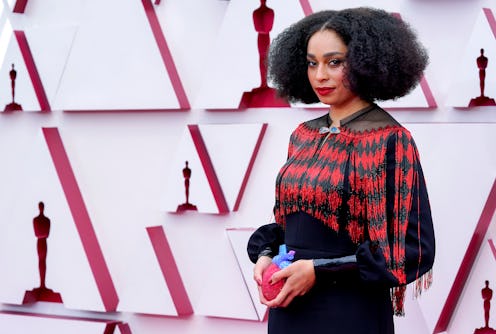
(324, 90)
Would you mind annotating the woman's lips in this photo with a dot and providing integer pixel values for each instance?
(324, 90)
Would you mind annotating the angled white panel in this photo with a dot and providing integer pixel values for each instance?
(139, 281)
(465, 80)
(124, 70)
(225, 294)
(239, 239)
(20, 271)
(10, 53)
(234, 59)
(458, 181)
(112, 168)
(469, 313)
(35, 180)
(190, 57)
(51, 47)
(203, 253)
(70, 267)
(200, 193)
(236, 142)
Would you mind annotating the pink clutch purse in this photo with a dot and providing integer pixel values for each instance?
(280, 261)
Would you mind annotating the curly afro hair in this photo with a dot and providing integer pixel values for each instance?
(384, 59)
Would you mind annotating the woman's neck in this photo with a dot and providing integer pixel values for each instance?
(337, 113)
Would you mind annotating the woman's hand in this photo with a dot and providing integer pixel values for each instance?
(300, 277)
(262, 264)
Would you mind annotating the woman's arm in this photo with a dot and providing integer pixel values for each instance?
(265, 241)
(419, 240)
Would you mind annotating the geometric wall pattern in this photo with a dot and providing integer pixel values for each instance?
(467, 86)
(219, 183)
(117, 96)
(479, 238)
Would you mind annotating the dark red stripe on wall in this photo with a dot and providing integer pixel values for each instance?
(490, 18)
(32, 70)
(20, 6)
(124, 328)
(424, 85)
(307, 8)
(493, 249)
(208, 167)
(250, 167)
(82, 219)
(169, 269)
(431, 101)
(166, 54)
(110, 328)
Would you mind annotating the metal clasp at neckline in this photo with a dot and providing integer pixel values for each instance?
(330, 129)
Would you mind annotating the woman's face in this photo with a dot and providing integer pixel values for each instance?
(326, 56)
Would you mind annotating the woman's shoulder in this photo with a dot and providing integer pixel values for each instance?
(371, 118)
(375, 121)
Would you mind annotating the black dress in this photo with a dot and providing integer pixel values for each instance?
(349, 297)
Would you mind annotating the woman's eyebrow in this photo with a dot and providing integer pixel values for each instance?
(328, 54)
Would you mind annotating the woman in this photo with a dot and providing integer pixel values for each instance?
(350, 200)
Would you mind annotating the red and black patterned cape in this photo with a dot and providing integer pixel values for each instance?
(365, 179)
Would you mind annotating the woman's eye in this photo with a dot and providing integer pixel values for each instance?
(335, 62)
(311, 63)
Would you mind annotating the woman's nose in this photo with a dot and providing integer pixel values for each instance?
(321, 73)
